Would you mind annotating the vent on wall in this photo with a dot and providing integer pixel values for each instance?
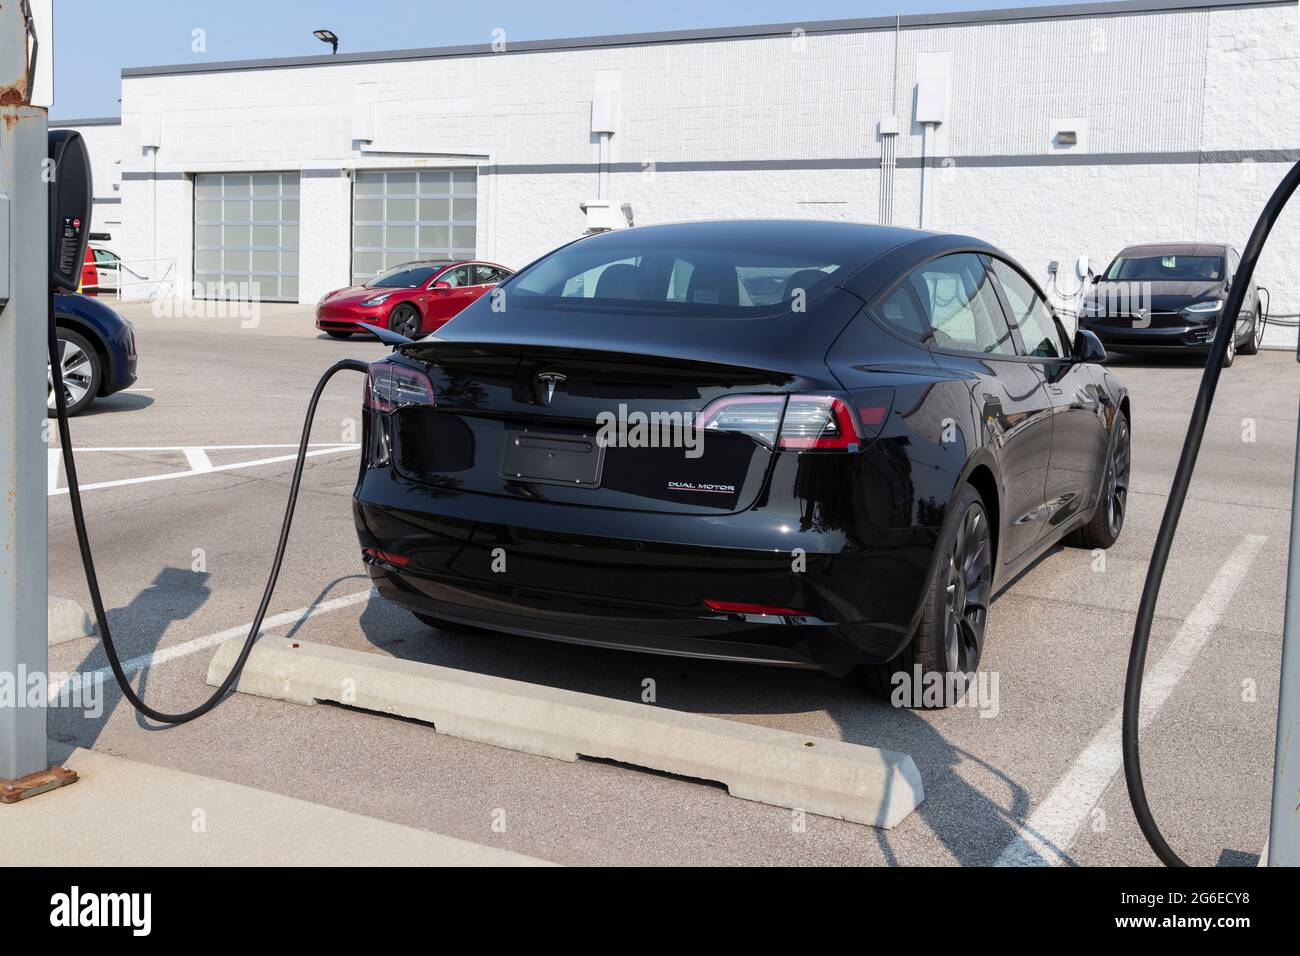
(1068, 134)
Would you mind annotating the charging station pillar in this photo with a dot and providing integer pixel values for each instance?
(1284, 823)
(24, 290)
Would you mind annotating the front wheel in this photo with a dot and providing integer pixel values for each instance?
(1251, 345)
(405, 320)
(82, 372)
(949, 641)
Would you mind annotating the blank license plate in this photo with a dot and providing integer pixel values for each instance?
(553, 458)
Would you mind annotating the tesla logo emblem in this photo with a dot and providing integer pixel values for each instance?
(548, 381)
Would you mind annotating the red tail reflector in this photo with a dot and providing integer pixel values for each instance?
(389, 386)
(739, 607)
(387, 557)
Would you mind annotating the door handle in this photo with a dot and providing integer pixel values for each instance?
(1056, 390)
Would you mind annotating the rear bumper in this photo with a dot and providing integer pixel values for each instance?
(645, 590)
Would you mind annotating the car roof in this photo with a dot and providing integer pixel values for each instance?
(444, 263)
(860, 241)
(1175, 249)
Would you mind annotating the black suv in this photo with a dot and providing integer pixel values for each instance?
(1168, 296)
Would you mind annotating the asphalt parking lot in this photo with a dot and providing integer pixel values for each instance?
(184, 558)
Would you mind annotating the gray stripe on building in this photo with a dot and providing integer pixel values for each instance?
(1188, 157)
(89, 121)
(860, 25)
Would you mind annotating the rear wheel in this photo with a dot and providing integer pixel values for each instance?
(949, 640)
(1251, 345)
(405, 320)
(338, 335)
(1107, 521)
(82, 371)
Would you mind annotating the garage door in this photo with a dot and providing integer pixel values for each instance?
(401, 215)
(245, 231)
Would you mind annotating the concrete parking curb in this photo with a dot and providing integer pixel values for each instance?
(68, 621)
(821, 776)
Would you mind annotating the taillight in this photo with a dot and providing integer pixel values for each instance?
(758, 416)
(800, 422)
(818, 423)
(389, 386)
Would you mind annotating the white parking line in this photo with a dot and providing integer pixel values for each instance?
(196, 456)
(131, 666)
(1049, 831)
(197, 459)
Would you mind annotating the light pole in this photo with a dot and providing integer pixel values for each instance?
(327, 36)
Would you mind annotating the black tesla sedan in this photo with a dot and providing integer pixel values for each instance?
(803, 443)
(1168, 296)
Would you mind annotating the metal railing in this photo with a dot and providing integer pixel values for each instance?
(141, 279)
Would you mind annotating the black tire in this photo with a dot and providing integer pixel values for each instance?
(447, 627)
(1107, 521)
(1251, 346)
(83, 371)
(1231, 354)
(950, 637)
(405, 320)
(338, 335)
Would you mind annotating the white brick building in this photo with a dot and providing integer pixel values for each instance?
(1062, 131)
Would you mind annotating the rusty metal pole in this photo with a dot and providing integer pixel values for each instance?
(24, 546)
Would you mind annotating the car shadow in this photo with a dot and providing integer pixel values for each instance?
(1174, 359)
(960, 808)
(116, 403)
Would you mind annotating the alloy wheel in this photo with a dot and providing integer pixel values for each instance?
(78, 373)
(1117, 477)
(968, 591)
(406, 321)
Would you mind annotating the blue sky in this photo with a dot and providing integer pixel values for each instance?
(94, 40)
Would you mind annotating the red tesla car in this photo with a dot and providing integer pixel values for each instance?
(412, 299)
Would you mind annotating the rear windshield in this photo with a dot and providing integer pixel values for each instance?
(631, 274)
(407, 276)
(1170, 267)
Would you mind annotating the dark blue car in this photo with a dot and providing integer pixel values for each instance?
(96, 349)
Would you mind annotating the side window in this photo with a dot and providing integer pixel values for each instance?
(456, 277)
(485, 275)
(1031, 314)
(956, 297)
(899, 310)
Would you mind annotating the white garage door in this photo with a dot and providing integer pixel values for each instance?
(246, 231)
(401, 215)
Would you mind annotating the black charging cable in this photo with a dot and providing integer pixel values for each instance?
(1225, 332)
(88, 560)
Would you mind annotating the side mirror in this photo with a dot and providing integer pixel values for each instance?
(1096, 279)
(1087, 348)
(440, 286)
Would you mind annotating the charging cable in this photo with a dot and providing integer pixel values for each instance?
(1224, 333)
(88, 561)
